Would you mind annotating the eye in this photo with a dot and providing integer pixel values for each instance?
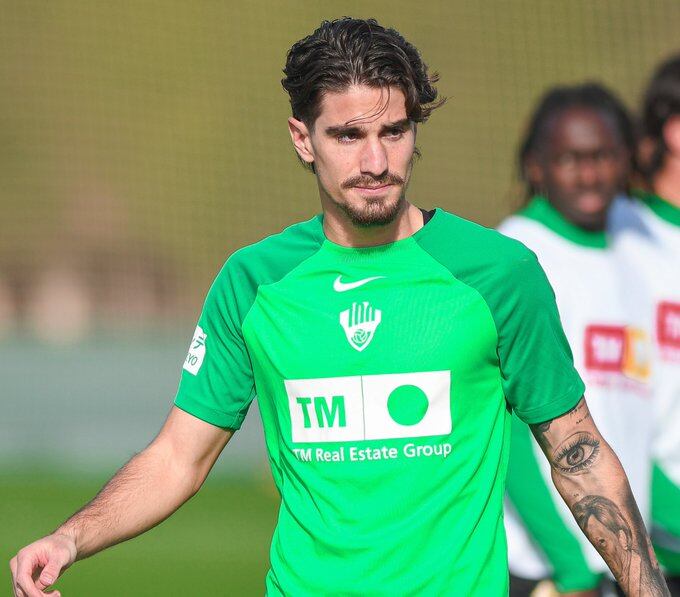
(606, 155)
(395, 134)
(577, 453)
(346, 137)
(566, 160)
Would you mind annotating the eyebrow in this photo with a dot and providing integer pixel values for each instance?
(343, 129)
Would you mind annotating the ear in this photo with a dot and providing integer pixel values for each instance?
(534, 171)
(671, 134)
(299, 133)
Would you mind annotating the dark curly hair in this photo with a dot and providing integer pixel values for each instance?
(560, 99)
(661, 101)
(349, 51)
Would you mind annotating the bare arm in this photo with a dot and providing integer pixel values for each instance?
(143, 493)
(590, 479)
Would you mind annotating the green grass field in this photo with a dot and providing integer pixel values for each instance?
(217, 544)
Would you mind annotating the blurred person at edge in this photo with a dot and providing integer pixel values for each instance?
(387, 345)
(575, 159)
(648, 241)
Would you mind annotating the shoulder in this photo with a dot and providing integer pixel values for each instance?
(626, 215)
(236, 286)
(470, 249)
(533, 234)
(518, 226)
(502, 270)
(271, 258)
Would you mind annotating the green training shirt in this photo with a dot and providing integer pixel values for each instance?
(385, 378)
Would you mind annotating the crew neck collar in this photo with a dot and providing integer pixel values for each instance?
(662, 208)
(541, 210)
(397, 244)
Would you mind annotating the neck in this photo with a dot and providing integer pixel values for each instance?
(667, 180)
(541, 210)
(597, 223)
(339, 229)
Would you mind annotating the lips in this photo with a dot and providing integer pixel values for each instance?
(373, 190)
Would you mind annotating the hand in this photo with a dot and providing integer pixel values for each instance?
(38, 565)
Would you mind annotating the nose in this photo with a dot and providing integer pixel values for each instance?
(588, 172)
(374, 158)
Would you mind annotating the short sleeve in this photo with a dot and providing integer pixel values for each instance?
(537, 366)
(217, 378)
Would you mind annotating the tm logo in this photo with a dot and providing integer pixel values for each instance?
(369, 407)
(325, 416)
(668, 324)
(617, 349)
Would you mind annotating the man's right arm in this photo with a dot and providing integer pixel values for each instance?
(143, 493)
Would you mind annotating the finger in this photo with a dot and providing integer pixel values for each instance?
(16, 585)
(24, 581)
(50, 573)
(13, 570)
(17, 590)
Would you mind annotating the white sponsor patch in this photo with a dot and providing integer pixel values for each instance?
(370, 407)
(196, 354)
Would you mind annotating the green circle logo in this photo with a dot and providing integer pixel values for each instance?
(407, 405)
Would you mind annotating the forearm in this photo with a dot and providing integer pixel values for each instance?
(627, 551)
(143, 493)
(592, 482)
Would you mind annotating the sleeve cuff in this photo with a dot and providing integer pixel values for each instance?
(209, 415)
(555, 408)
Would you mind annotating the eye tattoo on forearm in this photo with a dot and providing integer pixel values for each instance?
(576, 453)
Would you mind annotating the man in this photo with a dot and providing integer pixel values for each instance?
(649, 243)
(574, 159)
(385, 345)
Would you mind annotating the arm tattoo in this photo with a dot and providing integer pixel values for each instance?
(577, 453)
(626, 552)
(590, 479)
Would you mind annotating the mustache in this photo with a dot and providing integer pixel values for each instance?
(373, 181)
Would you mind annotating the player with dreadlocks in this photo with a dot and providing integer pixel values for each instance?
(576, 157)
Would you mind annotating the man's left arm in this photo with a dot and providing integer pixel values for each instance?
(592, 482)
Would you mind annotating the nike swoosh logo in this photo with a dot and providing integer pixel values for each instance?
(340, 286)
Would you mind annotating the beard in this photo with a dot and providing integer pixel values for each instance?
(373, 211)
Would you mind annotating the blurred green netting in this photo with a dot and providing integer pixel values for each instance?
(142, 142)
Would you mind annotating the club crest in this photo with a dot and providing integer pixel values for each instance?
(360, 322)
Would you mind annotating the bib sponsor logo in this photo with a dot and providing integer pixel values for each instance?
(617, 349)
(370, 407)
(196, 354)
(668, 324)
(360, 322)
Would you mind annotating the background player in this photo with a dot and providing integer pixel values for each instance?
(575, 159)
(648, 239)
(360, 431)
